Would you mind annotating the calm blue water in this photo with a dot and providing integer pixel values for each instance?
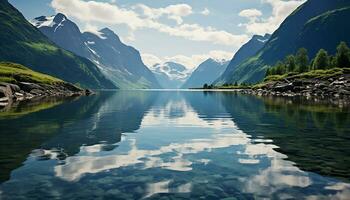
(175, 145)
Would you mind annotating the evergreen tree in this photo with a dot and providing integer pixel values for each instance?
(290, 63)
(321, 60)
(268, 72)
(205, 86)
(332, 61)
(343, 56)
(302, 60)
(280, 68)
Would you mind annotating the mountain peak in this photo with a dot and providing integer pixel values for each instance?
(109, 34)
(107, 31)
(59, 17)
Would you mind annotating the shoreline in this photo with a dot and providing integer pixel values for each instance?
(336, 87)
(26, 91)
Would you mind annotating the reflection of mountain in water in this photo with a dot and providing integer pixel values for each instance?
(314, 135)
(69, 126)
(187, 145)
(122, 113)
(35, 128)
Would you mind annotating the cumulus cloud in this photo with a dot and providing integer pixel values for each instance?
(106, 13)
(175, 12)
(191, 62)
(280, 10)
(249, 13)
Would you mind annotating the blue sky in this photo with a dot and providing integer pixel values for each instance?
(187, 32)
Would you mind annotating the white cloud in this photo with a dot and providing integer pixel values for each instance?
(205, 12)
(280, 10)
(175, 12)
(191, 62)
(250, 13)
(93, 11)
(106, 13)
(150, 59)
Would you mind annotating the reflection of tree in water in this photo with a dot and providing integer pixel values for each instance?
(312, 135)
(86, 121)
(122, 112)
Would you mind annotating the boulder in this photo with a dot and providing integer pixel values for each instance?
(5, 91)
(283, 87)
(27, 87)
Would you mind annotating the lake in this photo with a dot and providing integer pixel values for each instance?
(175, 145)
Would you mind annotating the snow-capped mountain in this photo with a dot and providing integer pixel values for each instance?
(122, 64)
(170, 75)
(206, 73)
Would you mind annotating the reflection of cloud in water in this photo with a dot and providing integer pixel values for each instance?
(187, 119)
(279, 175)
(91, 162)
(163, 187)
(156, 188)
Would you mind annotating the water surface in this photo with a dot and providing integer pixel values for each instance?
(175, 145)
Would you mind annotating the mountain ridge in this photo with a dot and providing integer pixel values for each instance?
(207, 72)
(170, 75)
(247, 50)
(291, 35)
(119, 62)
(22, 43)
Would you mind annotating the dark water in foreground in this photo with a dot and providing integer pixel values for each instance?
(175, 145)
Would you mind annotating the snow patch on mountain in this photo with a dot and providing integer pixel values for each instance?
(43, 21)
(173, 70)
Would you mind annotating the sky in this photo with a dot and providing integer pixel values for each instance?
(186, 32)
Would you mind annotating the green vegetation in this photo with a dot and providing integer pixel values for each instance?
(300, 62)
(22, 43)
(306, 27)
(13, 73)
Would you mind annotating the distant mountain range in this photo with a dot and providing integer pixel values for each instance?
(248, 50)
(120, 63)
(22, 43)
(206, 72)
(170, 75)
(314, 25)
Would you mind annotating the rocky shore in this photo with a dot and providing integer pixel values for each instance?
(23, 91)
(332, 87)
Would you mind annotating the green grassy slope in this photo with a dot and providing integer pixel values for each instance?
(22, 43)
(313, 26)
(13, 73)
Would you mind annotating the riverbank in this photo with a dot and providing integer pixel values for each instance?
(18, 83)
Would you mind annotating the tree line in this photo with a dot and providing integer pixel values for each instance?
(300, 62)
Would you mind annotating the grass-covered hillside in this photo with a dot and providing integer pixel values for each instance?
(314, 25)
(22, 43)
(14, 73)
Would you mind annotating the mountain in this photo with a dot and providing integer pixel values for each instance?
(120, 63)
(207, 72)
(313, 25)
(170, 75)
(248, 50)
(22, 43)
